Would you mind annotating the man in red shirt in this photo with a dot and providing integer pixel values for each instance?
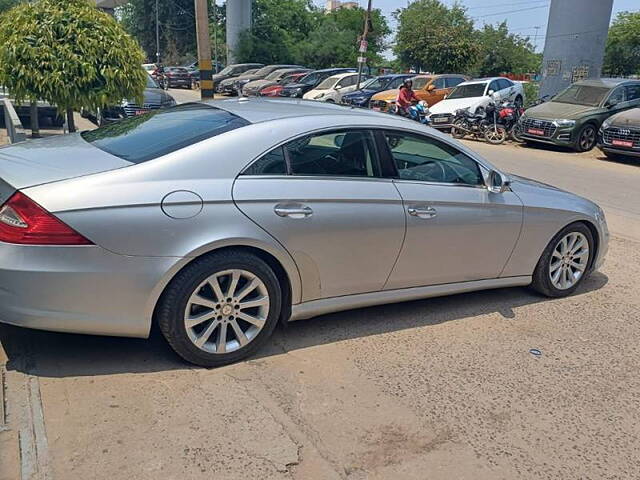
(406, 95)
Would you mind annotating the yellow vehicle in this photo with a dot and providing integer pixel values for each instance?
(430, 88)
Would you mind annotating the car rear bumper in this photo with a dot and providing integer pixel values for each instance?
(79, 289)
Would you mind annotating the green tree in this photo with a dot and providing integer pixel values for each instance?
(8, 4)
(504, 52)
(622, 54)
(436, 38)
(70, 54)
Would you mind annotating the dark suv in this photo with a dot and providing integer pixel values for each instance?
(310, 81)
(620, 134)
(572, 118)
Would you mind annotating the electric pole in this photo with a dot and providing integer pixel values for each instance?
(215, 36)
(157, 36)
(204, 49)
(535, 41)
(363, 44)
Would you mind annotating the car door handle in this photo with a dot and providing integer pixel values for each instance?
(293, 211)
(422, 212)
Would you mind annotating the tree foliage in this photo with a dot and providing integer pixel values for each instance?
(501, 51)
(435, 38)
(8, 4)
(294, 31)
(68, 53)
(622, 54)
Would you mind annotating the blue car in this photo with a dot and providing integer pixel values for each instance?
(360, 98)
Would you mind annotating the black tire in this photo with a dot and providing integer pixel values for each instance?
(541, 276)
(519, 102)
(516, 134)
(173, 303)
(586, 138)
(495, 135)
(458, 132)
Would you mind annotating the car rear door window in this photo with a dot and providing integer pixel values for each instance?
(427, 159)
(495, 86)
(343, 153)
(503, 84)
(145, 137)
(633, 92)
(439, 83)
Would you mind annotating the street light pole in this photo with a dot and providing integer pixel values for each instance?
(204, 49)
(363, 44)
(157, 36)
(215, 36)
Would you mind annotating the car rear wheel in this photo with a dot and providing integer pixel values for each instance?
(220, 309)
(586, 138)
(565, 262)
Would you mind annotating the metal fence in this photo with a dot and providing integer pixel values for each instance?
(15, 131)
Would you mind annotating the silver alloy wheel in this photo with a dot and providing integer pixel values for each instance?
(226, 311)
(569, 260)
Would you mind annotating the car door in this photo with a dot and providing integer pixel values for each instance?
(507, 89)
(456, 229)
(439, 92)
(322, 196)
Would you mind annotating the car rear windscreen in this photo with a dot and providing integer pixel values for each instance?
(145, 137)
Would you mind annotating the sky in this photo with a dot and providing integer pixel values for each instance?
(522, 16)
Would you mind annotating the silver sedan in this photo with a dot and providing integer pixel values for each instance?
(218, 220)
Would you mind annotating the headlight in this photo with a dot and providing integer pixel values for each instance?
(606, 123)
(563, 122)
(171, 102)
(319, 96)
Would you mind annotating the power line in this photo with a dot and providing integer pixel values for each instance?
(509, 11)
(512, 4)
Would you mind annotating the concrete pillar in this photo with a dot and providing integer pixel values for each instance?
(238, 20)
(575, 41)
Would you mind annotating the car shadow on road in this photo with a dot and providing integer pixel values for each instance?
(619, 159)
(57, 355)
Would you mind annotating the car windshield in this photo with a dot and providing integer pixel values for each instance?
(151, 83)
(145, 137)
(582, 95)
(376, 84)
(310, 78)
(327, 83)
(420, 82)
(228, 70)
(273, 75)
(178, 70)
(468, 91)
(264, 70)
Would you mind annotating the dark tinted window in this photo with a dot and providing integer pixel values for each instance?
(341, 153)
(633, 92)
(273, 163)
(149, 136)
(439, 83)
(617, 95)
(454, 81)
(395, 83)
(494, 86)
(504, 83)
(429, 160)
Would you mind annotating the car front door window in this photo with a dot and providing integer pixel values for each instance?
(426, 159)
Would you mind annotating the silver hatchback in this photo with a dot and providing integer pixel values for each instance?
(218, 220)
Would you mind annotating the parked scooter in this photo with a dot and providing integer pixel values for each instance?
(420, 112)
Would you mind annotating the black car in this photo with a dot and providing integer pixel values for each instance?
(233, 70)
(310, 81)
(153, 98)
(619, 135)
(360, 98)
(234, 86)
(177, 77)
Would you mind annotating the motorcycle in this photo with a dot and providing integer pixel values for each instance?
(467, 123)
(509, 115)
(495, 132)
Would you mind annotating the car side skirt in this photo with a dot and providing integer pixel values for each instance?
(337, 304)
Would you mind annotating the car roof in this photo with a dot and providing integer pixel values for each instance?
(338, 76)
(605, 82)
(261, 109)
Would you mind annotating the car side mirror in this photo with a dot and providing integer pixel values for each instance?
(497, 183)
(431, 88)
(490, 92)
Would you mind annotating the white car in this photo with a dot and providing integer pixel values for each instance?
(333, 88)
(474, 94)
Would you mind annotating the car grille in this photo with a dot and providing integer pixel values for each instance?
(441, 119)
(381, 104)
(546, 126)
(624, 134)
(131, 108)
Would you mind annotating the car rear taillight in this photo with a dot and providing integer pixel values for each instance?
(24, 222)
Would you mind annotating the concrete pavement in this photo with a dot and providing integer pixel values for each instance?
(440, 389)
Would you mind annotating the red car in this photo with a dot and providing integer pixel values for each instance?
(274, 90)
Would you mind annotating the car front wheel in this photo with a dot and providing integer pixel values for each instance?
(220, 309)
(586, 139)
(565, 262)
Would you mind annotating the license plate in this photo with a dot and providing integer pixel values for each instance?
(139, 112)
(622, 143)
(535, 131)
(440, 120)
(377, 109)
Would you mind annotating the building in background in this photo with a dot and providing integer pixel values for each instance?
(333, 5)
(575, 41)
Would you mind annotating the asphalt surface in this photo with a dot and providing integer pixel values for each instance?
(443, 388)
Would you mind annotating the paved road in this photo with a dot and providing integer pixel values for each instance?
(440, 389)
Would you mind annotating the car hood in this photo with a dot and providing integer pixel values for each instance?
(517, 180)
(259, 84)
(293, 86)
(230, 80)
(249, 78)
(360, 93)
(451, 105)
(628, 118)
(155, 96)
(47, 160)
(387, 95)
(553, 110)
(219, 77)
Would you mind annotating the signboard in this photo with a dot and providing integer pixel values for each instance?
(363, 46)
(362, 59)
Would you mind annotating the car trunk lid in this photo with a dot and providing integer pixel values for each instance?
(47, 160)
